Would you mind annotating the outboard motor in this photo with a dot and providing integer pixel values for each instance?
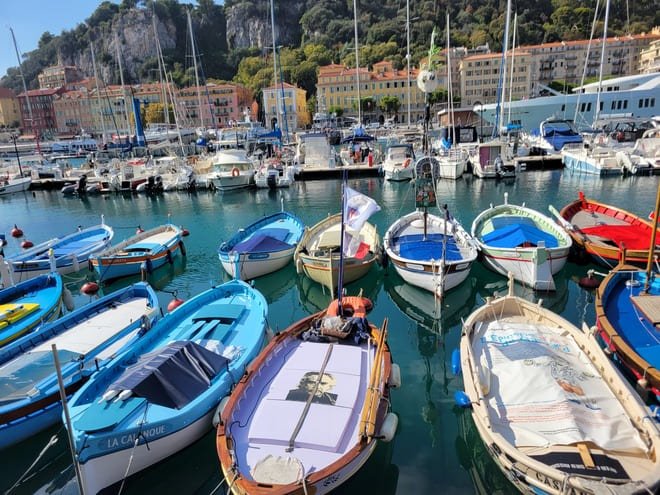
(158, 185)
(271, 179)
(150, 188)
(81, 187)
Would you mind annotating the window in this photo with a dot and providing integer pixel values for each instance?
(652, 102)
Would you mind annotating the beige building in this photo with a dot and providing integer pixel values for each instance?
(222, 104)
(480, 77)
(10, 114)
(292, 101)
(649, 58)
(73, 114)
(58, 76)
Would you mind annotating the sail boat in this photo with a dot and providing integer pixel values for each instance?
(316, 401)
(452, 160)
(628, 314)
(429, 251)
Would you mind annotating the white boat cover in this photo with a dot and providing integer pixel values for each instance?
(542, 390)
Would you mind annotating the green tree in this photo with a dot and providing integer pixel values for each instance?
(389, 105)
(338, 111)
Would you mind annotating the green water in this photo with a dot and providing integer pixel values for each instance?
(437, 449)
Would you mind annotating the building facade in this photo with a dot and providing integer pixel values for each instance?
(10, 114)
(40, 103)
(292, 102)
(222, 104)
(649, 58)
(58, 76)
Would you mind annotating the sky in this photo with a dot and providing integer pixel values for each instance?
(31, 18)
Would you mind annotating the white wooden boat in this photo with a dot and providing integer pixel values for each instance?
(556, 415)
(519, 240)
(308, 413)
(8, 186)
(317, 254)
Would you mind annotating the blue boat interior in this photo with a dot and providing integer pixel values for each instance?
(520, 232)
(265, 240)
(639, 332)
(416, 247)
(108, 414)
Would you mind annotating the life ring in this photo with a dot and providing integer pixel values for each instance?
(235, 172)
(406, 162)
(357, 306)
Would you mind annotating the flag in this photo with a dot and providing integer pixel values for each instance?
(353, 247)
(357, 208)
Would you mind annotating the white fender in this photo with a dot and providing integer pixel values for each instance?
(394, 380)
(388, 428)
(67, 298)
(219, 410)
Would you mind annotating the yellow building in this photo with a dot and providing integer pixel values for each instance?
(58, 76)
(222, 104)
(649, 58)
(10, 113)
(292, 101)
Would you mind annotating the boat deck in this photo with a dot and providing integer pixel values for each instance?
(278, 424)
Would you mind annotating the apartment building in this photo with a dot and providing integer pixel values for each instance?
(221, 104)
(58, 76)
(480, 77)
(41, 106)
(292, 103)
(73, 113)
(10, 114)
(649, 58)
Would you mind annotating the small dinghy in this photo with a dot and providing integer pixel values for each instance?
(160, 395)
(602, 231)
(70, 252)
(312, 406)
(556, 415)
(146, 251)
(262, 247)
(25, 306)
(519, 240)
(86, 339)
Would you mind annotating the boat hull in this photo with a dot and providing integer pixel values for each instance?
(398, 173)
(532, 267)
(14, 186)
(253, 265)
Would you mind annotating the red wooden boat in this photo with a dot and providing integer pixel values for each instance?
(604, 231)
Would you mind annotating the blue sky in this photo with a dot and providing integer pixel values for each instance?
(31, 18)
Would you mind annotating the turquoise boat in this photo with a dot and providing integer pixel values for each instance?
(146, 251)
(87, 339)
(26, 305)
(263, 247)
(162, 394)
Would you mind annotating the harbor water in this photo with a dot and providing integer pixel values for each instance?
(436, 449)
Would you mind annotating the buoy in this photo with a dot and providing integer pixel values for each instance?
(589, 282)
(16, 232)
(174, 303)
(89, 288)
(139, 230)
(388, 428)
(394, 380)
(456, 362)
(185, 232)
(461, 399)
(27, 244)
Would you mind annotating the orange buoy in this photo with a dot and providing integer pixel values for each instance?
(174, 303)
(27, 244)
(89, 288)
(139, 230)
(185, 232)
(16, 232)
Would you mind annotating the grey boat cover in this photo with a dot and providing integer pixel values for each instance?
(172, 376)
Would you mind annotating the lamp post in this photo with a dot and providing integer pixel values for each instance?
(14, 137)
(479, 107)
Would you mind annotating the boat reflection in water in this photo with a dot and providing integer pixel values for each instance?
(159, 278)
(473, 457)
(277, 284)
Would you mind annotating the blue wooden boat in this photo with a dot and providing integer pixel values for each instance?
(161, 394)
(26, 305)
(87, 339)
(70, 253)
(146, 250)
(263, 247)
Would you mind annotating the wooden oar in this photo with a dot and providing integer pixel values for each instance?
(367, 425)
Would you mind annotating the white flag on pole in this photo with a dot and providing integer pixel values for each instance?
(358, 208)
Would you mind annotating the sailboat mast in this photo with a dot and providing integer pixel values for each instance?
(408, 54)
(272, 28)
(450, 96)
(123, 88)
(27, 97)
(501, 89)
(98, 92)
(357, 64)
(602, 61)
(513, 58)
(161, 69)
(649, 263)
(194, 54)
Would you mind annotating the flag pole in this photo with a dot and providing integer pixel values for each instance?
(340, 281)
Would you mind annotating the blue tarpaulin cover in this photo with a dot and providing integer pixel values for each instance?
(173, 375)
(263, 241)
(415, 247)
(519, 234)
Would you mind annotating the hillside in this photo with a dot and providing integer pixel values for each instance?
(234, 39)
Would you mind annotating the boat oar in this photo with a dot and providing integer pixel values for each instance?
(367, 424)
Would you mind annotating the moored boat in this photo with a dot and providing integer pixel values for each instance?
(556, 415)
(311, 407)
(262, 247)
(69, 253)
(522, 241)
(86, 339)
(318, 253)
(602, 231)
(8, 186)
(231, 170)
(29, 304)
(160, 395)
(146, 250)
(398, 164)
